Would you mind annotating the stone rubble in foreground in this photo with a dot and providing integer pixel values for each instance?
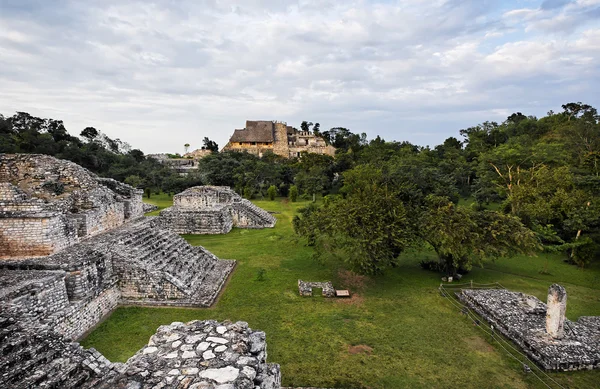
(203, 354)
(194, 355)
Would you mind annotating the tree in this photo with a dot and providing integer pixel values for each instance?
(305, 126)
(462, 236)
(135, 181)
(272, 192)
(367, 230)
(89, 133)
(293, 193)
(210, 145)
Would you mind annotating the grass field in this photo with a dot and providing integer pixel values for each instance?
(396, 331)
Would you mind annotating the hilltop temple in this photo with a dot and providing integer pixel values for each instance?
(260, 136)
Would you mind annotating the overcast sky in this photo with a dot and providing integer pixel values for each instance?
(161, 74)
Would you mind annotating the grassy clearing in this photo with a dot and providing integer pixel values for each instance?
(395, 332)
(162, 201)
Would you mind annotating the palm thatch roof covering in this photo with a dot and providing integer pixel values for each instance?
(255, 131)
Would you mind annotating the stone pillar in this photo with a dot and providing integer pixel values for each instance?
(555, 312)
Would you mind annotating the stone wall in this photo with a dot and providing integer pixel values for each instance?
(82, 316)
(36, 356)
(47, 204)
(37, 292)
(27, 235)
(196, 355)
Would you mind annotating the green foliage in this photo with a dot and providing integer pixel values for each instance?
(272, 192)
(133, 180)
(293, 193)
(208, 144)
(463, 236)
(248, 193)
(367, 229)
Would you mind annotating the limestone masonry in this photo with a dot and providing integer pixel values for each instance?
(73, 246)
(541, 330)
(265, 135)
(48, 204)
(213, 210)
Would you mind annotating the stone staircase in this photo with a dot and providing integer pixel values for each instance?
(41, 358)
(257, 216)
(164, 255)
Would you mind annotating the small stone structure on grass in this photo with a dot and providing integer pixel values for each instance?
(541, 330)
(305, 288)
(213, 210)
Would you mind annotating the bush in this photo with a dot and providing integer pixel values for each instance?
(248, 193)
(293, 193)
(272, 192)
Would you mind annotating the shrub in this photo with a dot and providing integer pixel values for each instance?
(272, 192)
(248, 193)
(293, 193)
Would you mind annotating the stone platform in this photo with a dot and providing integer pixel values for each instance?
(213, 210)
(523, 319)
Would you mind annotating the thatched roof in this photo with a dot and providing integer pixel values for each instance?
(255, 131)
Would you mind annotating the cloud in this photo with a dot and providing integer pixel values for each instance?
(160, 74)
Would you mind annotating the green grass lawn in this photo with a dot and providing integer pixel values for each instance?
(162, 201)
(396, 332)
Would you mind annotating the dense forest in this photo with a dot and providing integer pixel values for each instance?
(532, 184)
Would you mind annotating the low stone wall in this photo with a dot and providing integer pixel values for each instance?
(306, 288)
(185, 221)
(37, 292)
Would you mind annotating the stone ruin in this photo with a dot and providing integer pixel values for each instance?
(73, 247)
(48, 204)
(213, 210)
(541, 330)
(195, 355)
(305, 288)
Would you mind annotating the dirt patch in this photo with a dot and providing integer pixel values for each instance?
(351, 280)
(478, 344)
(360, 349)
(354, 299)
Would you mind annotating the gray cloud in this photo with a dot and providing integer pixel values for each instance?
(161, 74)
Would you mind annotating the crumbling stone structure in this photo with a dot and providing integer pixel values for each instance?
(198, 354)
(96, 261)
(261, 136)
(523, 319)
(204, 354)
(213, 210)
(47, 204)
(74, 247)
(305, 288)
